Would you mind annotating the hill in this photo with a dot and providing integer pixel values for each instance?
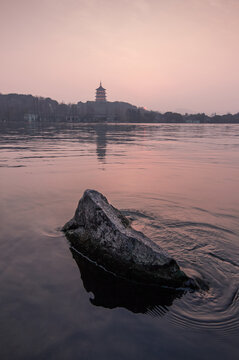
(18, 107)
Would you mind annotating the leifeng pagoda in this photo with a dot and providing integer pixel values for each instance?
(100, 94)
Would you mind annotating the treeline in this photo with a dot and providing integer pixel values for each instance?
(15, 107)
(172, 117)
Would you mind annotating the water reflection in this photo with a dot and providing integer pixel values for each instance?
(183, 177)
(61, 134)
(111, 292)
(101, 141)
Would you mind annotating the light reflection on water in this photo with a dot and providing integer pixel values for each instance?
(177, 183)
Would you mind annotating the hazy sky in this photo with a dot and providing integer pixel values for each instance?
(166, 55)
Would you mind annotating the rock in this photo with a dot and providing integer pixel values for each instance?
(103, 234)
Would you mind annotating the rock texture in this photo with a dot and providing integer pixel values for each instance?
(103, 233)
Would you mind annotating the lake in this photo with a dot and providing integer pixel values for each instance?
(178, 183)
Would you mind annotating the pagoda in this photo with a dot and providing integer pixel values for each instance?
(100, 94)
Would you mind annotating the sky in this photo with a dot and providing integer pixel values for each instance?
(165, 55)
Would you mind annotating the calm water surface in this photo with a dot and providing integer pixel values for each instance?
(177, 183)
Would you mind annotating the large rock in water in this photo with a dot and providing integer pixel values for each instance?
(103, 234)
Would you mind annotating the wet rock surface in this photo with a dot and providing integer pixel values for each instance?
(102, 233)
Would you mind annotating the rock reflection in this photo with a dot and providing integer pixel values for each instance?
(110, 291)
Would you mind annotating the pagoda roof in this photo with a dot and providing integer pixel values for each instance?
(100, 87)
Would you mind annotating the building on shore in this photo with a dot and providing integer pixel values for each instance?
(100, 95)
(103, 110)
(31, 117)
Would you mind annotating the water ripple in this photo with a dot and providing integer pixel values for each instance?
(196, 246)
(211, 312)
(223, 259)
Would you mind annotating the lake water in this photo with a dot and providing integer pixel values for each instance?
(178, 183)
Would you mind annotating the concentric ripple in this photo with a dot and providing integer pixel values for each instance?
(208, 311)
(199, 248)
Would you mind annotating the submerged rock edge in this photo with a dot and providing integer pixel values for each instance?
(102, 233)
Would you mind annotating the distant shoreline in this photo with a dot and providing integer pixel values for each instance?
(30, 108)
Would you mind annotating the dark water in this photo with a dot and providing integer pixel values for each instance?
(178, 184)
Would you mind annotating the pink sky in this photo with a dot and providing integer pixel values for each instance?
(166, 55)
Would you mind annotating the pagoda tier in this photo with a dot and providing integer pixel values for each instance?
(100, 94)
